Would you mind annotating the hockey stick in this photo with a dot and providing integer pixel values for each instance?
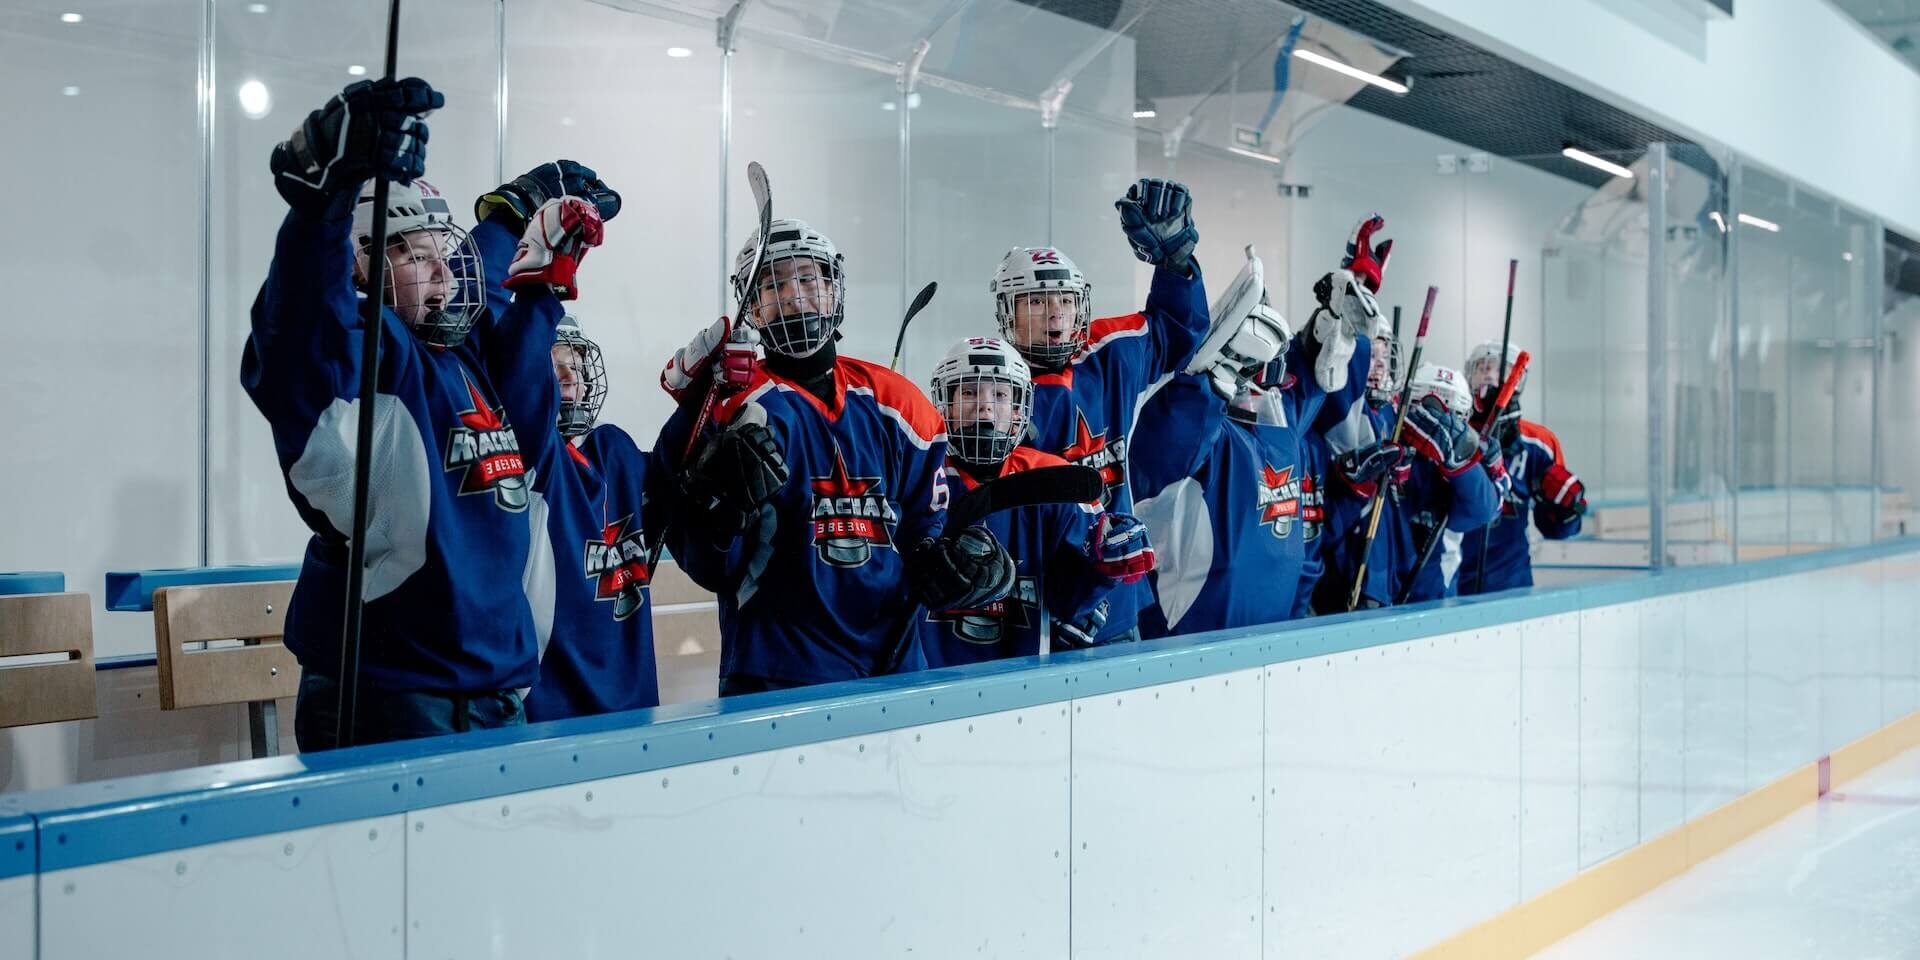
(1399, 422)
(1062, 483)
(372, 319)
(1493, 420)
(1500, 402)
(920, 301)
(742, 285)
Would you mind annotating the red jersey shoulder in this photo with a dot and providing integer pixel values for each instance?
(894, 393)
(1105, 330)
(1545, 437)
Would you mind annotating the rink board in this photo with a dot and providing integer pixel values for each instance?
(1363, 786)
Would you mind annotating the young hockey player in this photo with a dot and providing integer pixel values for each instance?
(815, 508)
(1223, 483)
(445, 646)
(1066, 556)
(1089, 375)
(599, 501)
(1451, 485)
(1498, 556)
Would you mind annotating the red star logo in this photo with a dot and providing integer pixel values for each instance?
(481, 417)
(1274, 480)
(838, 484)
(1085, 443)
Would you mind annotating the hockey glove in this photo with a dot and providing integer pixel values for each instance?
(1561, 488)
(514, 203)
(736, 473)
(1157, 216)
(960, 572)
(720, 348)
(1441, 437)
(1496, 464)
(1119, 548)
(557, 239)
(1362, 469)
(1367, 263)
(1081, 631)
(373, 128)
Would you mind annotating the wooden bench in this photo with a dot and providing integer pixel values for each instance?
(55, 631)
(198, 668)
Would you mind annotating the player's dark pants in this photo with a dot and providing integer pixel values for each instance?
(386, 716)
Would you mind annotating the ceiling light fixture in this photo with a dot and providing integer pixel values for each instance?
(1255, 154)
(1753, 221)
(1384, 83)
(1581, 156)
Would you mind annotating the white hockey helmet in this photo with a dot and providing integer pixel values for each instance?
(1246, 333)
(589, 370)
(983, 388)
(1484, 373)
(803, 311)
(441, 302)
(1030, 270)
(1443, 383)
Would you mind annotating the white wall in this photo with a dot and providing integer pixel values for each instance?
(1225, 801)
(1792, 84)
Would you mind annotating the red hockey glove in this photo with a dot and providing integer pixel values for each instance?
(557, 239)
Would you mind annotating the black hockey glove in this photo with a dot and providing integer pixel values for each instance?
(734, 475)
(1158, 218)
(514, 203)
(1362, 469)
(372, 128)
(960, 572)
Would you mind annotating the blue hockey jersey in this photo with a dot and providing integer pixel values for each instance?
(815, 589)
(447, 526)
(1409, 513)
(596, 509)
(1085, 413)
(1508, 561)
(1054, 579)
(1224, 502)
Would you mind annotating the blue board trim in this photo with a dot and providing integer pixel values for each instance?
(17, 846)
(32, 581)
(111, 820)
(131, 591)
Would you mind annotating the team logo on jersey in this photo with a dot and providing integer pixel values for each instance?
(1279, 499)
(617, 563)
(851, 515)
(1046, 255)
(485, 447)
(989, 623)
(1313, 507)
(1093, 450)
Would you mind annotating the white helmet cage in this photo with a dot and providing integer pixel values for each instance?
(797, 310)
(1386, 373)
(434, 278)
(589, 371)
(1444, 384)
(1028, 271)
(983, 424)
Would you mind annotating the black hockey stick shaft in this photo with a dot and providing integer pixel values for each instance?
(1399, 422)
(1492, 422)
(372, 324)
(920, 301)
(1062, 483)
